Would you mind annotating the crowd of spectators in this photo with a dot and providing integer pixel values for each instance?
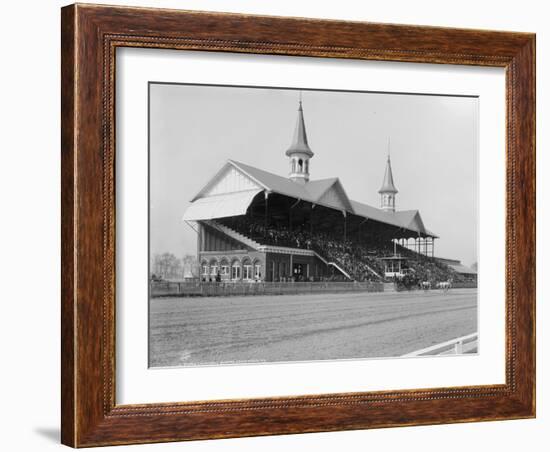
(427, 268)
(362, 261)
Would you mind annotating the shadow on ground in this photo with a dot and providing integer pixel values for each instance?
(50, 433)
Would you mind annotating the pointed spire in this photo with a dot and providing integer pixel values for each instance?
(299, 141)
(387, 185)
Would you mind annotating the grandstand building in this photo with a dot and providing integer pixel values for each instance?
(253, 225)
(465, 273)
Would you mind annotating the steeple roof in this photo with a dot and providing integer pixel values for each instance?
(299, 141)
(388, 185)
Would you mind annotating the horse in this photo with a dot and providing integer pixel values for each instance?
(445, 285)
(426, 285)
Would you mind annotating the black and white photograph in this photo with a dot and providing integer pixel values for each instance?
(251, 226)
(295, 225)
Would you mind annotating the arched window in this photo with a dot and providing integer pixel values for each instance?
(247, 269)
(204, 266)
(224, 268)
(306, 166)
(300, 165)
(236, 270)
(214, 267)
(257, 270)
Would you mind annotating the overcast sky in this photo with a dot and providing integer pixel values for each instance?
(195, 129)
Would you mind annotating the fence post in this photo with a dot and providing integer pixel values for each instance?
(458, 348)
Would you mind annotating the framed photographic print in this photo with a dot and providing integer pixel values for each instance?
(281, 225)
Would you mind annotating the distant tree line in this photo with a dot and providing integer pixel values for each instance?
(168, 266)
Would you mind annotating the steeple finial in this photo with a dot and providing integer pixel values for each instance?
(388, 190)
(387, 184)
(299, 141)
(299, 152)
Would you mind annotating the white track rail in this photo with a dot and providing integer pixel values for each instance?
(452, 347)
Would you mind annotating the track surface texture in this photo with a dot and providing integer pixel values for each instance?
(230, 330)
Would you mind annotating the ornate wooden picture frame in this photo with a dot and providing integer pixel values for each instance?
(90, 37)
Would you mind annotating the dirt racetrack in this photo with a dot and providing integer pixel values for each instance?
(203, 331)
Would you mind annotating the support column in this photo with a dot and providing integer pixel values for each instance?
(290, 219)
(199, 249)
(290, 214)
(360, 229)
(266, 196)
(345, 224)
(311, 219)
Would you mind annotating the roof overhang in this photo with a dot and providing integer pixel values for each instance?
(220, 206)
(462, 269)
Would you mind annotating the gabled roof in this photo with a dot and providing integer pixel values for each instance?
(272, 182)
(327, 192)
(299, 141)
(216, 184)
(412, 220)
(406, 219)
(367, 211)
(318, 187)
(312, 191)
(324, 190)
(387, 184)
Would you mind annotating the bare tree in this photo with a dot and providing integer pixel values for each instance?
(190, 268)
(167, 266)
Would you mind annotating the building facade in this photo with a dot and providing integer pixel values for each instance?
(237, 213)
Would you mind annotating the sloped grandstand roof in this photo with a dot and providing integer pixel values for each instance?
(315, 192)
(406, 219)
(312, 191)
(459, 268)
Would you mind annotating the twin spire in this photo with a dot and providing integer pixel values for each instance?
(299, 154)
(299, 151)
(299, 141)
(388, 190)
(387, 184)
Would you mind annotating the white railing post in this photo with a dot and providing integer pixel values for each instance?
(459, 347)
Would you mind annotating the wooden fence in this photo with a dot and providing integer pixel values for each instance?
(212, 289)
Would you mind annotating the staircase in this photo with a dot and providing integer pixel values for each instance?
(233, 234)
(372, 271)
(341, 270)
